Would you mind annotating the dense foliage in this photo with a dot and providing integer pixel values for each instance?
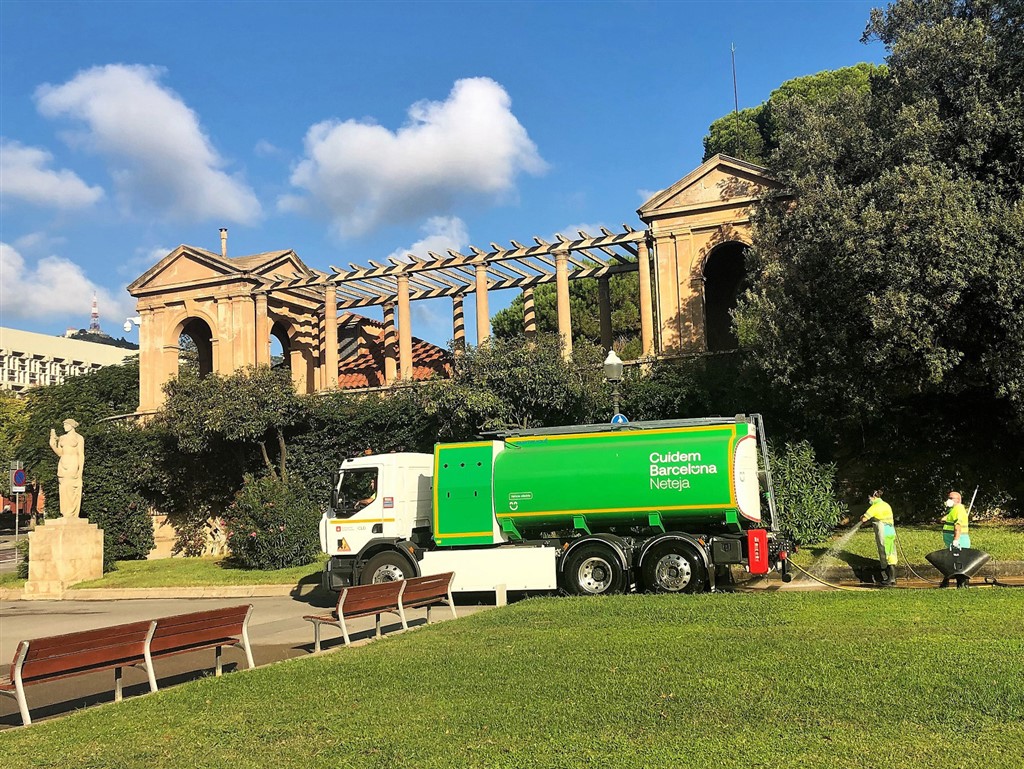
(888, 294)
(584, 301)
(805, 493)
(752, 134)
(272, 524)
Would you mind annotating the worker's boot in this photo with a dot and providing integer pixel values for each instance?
(890, 575)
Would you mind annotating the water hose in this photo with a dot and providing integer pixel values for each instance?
(903, 553)
(828, 584)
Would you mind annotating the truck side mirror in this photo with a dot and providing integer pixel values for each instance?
(335, 482)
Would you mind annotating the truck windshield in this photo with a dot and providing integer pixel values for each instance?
(358, 488)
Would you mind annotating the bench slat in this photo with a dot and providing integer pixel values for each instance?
(122, 645)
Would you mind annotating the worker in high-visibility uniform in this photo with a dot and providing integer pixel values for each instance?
(880, 514)
(955, 526)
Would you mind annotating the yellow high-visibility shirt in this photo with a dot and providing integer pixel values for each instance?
(957, 514)
(880, 510)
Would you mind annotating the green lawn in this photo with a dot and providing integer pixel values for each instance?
(826, 680)
(198, 572)
(1004, 542)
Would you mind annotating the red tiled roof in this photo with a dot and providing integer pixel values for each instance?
(367, 368)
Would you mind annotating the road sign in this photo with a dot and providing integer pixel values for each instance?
(620, 419)
(18, 481)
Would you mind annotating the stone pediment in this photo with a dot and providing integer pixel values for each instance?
(191, 266)
(273, 264)
(184, 265)
(719, 181)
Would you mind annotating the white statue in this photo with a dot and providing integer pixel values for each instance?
(70, 447)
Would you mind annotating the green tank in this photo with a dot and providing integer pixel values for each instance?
(654, 476)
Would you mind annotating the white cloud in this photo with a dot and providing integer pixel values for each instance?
(439, 234)
(24, 174)
(152, 141)
(265, 149)
(359, 175)
(55, 288)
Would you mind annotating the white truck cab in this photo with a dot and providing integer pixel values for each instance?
(379, 496)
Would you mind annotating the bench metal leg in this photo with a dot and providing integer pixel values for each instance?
(316, 637)
(344, 629)
(451, 605)
(377, 616)
(150, 673)
(19, 686)
(245, 639)
(118, 672)
(216, 656)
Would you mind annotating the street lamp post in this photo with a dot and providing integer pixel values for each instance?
(613, 373)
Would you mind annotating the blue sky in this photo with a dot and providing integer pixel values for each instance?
(352, 131)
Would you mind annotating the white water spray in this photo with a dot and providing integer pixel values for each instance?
(840, 544)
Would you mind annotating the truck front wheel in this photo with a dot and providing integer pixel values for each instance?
(593, 570)
(385, 567)
(672, 567)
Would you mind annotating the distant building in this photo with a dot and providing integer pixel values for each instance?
(29, 360)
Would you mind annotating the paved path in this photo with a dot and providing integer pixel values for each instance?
(276, 632)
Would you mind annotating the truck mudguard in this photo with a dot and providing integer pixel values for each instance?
(668, 536)
(618, 546)
(392, 544)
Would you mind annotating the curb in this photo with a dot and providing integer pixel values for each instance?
(990, 569)
(123, 594)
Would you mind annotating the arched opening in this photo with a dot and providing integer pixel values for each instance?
(724, 280)
(195, 348)
(280, 347)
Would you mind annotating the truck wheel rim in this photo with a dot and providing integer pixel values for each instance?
(672, 572)
(595, 575)
(388, 573)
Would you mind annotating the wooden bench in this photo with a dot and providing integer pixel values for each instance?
(55, 657)
(386, 597)
(211, 629)
(435, 590)
(361, 601)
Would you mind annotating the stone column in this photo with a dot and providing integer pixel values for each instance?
(529, 315)
(150, 361)
(564, 315)
(404, 330)
(483, 316)
(646, 311)
(262, 330)
(225, 334)
(458, 323)
(331, 332)
(390, 345)
(604, 305)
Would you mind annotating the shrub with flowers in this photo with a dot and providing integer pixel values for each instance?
(272, 525)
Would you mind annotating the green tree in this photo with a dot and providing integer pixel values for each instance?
(506, 383)
(584, 303)
(751, 134)
(13, 420)
(250, 407)
(888, 301)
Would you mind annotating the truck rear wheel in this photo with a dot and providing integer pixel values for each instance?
(385, 567)
(672, 567)
(593, 570)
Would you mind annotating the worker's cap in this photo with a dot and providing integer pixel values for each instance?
(955, 496)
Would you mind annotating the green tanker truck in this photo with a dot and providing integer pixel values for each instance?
(662, 506)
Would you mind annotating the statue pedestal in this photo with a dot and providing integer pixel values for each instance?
(62, 552)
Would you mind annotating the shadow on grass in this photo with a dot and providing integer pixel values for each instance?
(59, 698)
(867, 570)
